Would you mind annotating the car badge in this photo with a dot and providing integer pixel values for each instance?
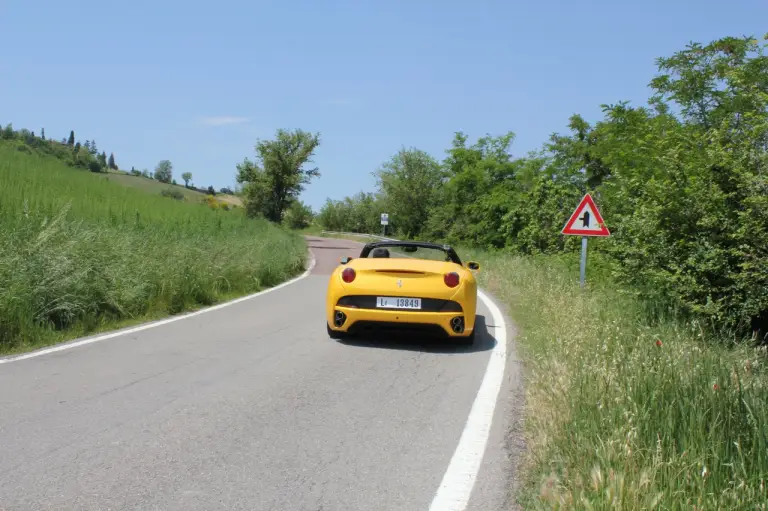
(399, 283)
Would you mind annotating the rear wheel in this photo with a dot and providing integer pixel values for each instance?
(333, 334)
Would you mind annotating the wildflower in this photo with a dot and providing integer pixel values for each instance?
(715, 387)
(658, 343)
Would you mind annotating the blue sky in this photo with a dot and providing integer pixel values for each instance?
(199, 82)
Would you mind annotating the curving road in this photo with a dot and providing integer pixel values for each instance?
(251, 406)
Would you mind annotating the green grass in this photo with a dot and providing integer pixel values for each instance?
(79, 254)
(156, 187)
(617, 421)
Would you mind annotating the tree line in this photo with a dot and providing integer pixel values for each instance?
(681, 183)
(72, 152)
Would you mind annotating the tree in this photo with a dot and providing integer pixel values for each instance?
(164, 171)
(111, 163)
(278, 176)
(298, 215)
(103, 160)
(409, 181)
(187, 177)
(42, 133)
(71, 140)
(476, 193)
(713, 82)
(211, 190)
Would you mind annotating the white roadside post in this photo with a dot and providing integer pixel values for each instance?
(384, 223)
(590, 223)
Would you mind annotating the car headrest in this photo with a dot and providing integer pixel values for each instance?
(380, 252)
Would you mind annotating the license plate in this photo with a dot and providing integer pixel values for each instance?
(393, 302)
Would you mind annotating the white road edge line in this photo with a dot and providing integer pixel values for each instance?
(146, 326)
(459, 479)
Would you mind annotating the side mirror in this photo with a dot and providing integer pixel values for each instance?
(345, 259)
(472, 265)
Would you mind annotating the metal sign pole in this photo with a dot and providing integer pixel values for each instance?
(583, 272)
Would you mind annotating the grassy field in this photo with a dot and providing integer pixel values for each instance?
(78, 254)
(156, 187)
(627, 409)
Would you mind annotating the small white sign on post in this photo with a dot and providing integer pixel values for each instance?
(385, 219)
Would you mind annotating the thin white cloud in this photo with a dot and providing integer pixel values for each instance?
(224, 120)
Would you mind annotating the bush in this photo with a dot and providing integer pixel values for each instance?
(174, 194)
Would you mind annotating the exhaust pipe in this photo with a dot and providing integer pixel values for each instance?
(339, 318)
(457, 324)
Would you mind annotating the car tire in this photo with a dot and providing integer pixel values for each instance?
(333, 334)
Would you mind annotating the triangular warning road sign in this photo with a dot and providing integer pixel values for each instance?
(586, 220)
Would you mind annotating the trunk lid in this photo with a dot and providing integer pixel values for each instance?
(401, 277)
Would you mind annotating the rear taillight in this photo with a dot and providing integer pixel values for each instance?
(348, 275)
(451, 279)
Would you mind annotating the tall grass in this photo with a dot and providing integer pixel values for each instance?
(77, 252)
(626, 410)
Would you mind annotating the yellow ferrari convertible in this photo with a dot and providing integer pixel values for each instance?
(403, 286)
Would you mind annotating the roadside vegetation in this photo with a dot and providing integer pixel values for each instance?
(628, 408)
(79, 253)
(646, 389)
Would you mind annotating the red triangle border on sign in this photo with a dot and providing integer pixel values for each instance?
(568, 229)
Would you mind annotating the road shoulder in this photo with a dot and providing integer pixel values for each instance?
(498, 479)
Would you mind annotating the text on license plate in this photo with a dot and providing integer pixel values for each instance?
(392, 302)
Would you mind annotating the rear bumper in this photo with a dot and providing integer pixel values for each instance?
(359, 321)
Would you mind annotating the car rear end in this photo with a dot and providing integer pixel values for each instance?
(402, 295)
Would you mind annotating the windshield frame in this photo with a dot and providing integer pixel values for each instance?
(451, 253)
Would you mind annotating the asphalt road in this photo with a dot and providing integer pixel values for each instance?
(252, 406)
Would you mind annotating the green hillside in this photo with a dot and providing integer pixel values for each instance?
(79, 251)
(156, 187)
(86, 156)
